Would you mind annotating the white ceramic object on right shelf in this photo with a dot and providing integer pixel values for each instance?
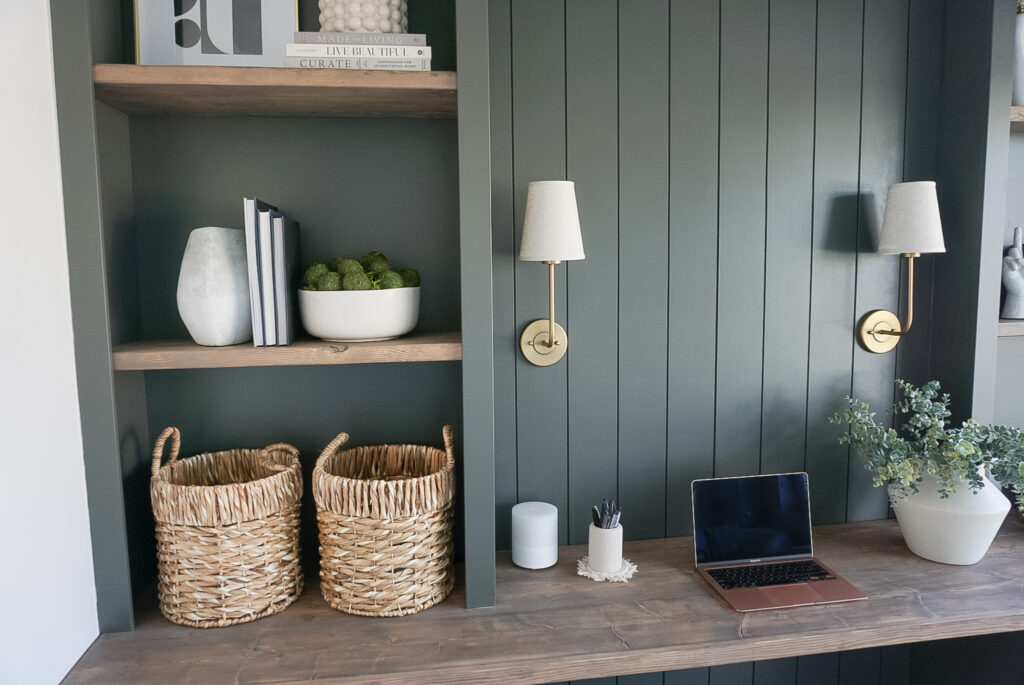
(1018, 57)
(952, 530)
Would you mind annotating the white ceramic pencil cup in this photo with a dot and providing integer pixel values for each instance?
(605, 549)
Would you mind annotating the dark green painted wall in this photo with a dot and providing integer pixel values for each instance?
(731, 161)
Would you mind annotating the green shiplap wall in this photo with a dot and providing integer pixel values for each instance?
(731, 162)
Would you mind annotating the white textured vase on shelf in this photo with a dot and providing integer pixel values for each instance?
(954, 530)
(364, 16)
(213, 287)
(1018, 57)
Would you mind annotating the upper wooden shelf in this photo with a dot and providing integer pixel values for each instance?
(182, 354)
(269, 91)
(552, 625)
(1017, 118)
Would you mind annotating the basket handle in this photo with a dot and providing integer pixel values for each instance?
(158, 449)
(449, 442)
(331, 448)
(277, 446)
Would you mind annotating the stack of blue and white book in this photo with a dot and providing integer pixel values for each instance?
(341, 50)
(272, 251)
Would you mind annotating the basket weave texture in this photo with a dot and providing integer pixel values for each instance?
(385, 516)
(227, 532)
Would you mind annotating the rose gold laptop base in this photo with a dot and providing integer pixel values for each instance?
(787, 596)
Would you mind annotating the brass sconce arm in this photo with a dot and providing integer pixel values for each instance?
(544, 342)
(880, 330)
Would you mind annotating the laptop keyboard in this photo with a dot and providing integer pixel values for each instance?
(761, 575)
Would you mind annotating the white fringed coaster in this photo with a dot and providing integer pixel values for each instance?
(623, 575)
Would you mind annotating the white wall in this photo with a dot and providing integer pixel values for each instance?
(48, 610)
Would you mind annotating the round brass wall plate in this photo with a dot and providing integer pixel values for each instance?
(878, 320)
(534, 340)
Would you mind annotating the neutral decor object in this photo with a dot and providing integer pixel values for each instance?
(227, 532)
(955, 529)
(240, 33)
(1013, 276)
(534, 535)
(364, 16)
(911, 227)
(948, 509)
(604, 547)
(359, 315)
(213, 287)
(1018, 57)
(551, 234)
(385, 516)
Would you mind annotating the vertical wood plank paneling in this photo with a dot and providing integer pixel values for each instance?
(883, 120)
(693, 253)
(538, 124)
(732, 674)
(691, 676)
(859, 666)
(642, 678)
(592, 312)
(833, 271)
(775, 672)
(818, 669)
(643, 264)
(503, 243)
(924, 78)
(741, 236)
(788, 236)
(894, 668)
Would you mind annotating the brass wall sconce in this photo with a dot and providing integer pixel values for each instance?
(911, 227)
(551, 234)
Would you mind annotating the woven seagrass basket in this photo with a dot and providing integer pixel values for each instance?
(227, 532)
(385, 516)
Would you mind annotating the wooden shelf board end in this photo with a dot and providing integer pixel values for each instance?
(272, 91)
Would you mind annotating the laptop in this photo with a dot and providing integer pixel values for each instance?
(752, 543)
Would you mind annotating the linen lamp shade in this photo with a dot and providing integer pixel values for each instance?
(551, 224)
(911, 222)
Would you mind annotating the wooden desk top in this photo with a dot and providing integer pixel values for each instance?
(553, 625)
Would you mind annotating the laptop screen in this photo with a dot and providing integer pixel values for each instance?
(751, 518)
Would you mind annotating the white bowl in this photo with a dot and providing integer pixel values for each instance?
(359, 315)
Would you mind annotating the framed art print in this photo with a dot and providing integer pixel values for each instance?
(246, 33)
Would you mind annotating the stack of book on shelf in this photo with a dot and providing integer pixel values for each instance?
(340, 50)
(272, 251)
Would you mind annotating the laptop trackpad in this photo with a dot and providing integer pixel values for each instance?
(790, 595)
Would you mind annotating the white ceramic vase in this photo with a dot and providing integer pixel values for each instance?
(954, 530)
(213, 287)
(1018, 62)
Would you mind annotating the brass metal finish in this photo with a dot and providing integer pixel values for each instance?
(544, 342)
(535, 346)
(880, 330)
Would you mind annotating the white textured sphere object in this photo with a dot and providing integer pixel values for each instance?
(213, 287)
(364, 16)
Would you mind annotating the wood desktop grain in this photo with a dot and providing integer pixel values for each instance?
(552, 625)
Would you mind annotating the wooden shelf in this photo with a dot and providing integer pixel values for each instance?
(268, 91)
(182, 354)
(1017, 118)
(552, 625)
(1009, 328)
